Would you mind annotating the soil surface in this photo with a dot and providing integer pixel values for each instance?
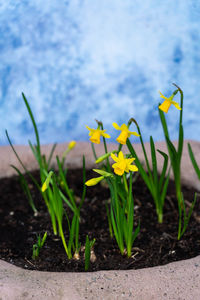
(155, 245)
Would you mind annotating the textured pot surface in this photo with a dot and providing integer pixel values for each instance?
(179, 280)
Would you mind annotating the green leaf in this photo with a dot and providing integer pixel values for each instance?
(136, 232)
(163, 122)
(193, 160)
(172, 149)
(139, 165)
(154, 162)
(26, 189)
(186, 220)
(180, 142)
(33, 122)
(67, 190)
(114, 226)
(164, 169)
(84, 186)
(44, 239)
(88, 245)
(164, 190)
(51, 155)
(72, 233)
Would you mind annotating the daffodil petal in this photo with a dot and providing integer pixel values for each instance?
(88, 127)
(162, 96)
(116, 126)
(133, 168)
(176, 105)
(105, 135)
(115, 165)
(130, 160)
(114, 157)
(121, 155)
(133, 132)
(124, 127)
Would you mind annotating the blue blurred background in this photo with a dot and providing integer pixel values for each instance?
(77, 61)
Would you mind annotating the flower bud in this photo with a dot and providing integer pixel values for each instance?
(94, 181)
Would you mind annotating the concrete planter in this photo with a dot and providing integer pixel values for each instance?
(179, 280)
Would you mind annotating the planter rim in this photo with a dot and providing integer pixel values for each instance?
(177, 280)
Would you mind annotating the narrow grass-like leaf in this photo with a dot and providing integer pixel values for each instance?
(21, 163)
(187, 218)
(69, 194)
(180, 142)
(33, 122)
(87, 253)
(138, 164)
(163, 122)
(51, 154)
(193, 160)
(26, 189)
(164, 190)
(142, 143)
(44, 239)
(164, 169)
(136, 232)
(72, 234)
(154, 161)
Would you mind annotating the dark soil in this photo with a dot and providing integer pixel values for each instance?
(155, 245)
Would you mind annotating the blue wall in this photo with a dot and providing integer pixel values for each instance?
(77, 61)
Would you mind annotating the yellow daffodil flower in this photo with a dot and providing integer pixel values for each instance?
(94, 181)
(71, 145)
(125, 133)
(167, 103)
(123, 164)
(95, 134)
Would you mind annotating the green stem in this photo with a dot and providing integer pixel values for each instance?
(93, 150)
(125, 183)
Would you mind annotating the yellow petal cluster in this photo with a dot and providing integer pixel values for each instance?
(122, 164)
(167, 103)
(125, 133)
(95, 134)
